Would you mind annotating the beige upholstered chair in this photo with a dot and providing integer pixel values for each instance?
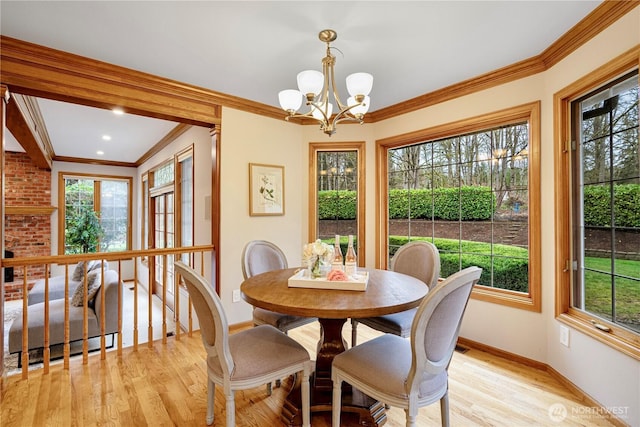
(411, 373)
(260, 256)
(245, 359)
(417, 259)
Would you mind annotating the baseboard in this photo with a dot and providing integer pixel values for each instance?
(236, 327)
(582, 396)
(465, 342)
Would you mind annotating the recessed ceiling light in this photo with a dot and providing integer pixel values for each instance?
(106, 137)
(118, 111)
(99, 152)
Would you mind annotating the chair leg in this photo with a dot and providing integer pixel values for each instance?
(444, 409)
(411, 417)
(306, 400)
(354, 332)
(231, 409)
(211, 392)
(269, 390)
(336, 402)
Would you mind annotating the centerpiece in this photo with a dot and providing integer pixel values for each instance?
(317, 256)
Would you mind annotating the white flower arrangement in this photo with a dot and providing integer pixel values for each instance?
(317, 250)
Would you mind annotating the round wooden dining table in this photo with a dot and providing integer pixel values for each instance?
(387, 292)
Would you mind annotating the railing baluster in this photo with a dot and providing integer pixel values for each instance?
(47, 351)
(152, 279)
(103, 343)
(85, 317)
(25, 329)
(176, 306)
(67, 346)
(120, 306)
(164, 299)
(135, 306)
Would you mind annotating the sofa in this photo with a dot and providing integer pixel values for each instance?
(35, 311)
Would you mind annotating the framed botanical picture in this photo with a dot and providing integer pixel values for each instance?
(266, 189)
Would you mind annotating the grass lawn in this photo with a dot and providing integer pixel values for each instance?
(598, 295)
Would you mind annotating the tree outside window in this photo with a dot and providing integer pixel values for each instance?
(96, 214)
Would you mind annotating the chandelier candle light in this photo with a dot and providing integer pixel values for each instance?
(314, 87)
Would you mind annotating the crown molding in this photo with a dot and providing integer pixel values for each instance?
(94, 161)
(608, 12)
(165, 141)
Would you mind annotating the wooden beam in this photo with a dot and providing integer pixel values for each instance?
(40, 71)
(18, 125)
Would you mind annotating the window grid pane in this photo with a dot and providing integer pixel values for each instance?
(607, 282)
(337, 183)
(468, 195)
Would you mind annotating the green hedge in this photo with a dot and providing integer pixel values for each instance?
(597, 201)
(337, 204)
(510, 263)
(440, 203)
(479, 203)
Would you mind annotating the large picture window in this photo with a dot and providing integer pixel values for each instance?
(105, 198)
(471, 188)
(597, 199)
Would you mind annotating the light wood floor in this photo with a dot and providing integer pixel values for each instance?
(166, 385)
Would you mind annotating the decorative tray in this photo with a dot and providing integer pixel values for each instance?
(356, 283)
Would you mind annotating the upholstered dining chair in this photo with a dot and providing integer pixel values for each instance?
(245, 359)
(418, 259)
(260, 256)
(411, 373)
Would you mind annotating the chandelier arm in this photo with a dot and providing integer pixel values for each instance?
(346, 116)
(330, 79)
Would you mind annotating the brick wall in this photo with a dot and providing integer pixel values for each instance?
(26, 235)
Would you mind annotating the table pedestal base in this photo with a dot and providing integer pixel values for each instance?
(369, 412)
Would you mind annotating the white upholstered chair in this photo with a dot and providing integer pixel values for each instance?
(418, 259)
(246, 359)
(410, 374)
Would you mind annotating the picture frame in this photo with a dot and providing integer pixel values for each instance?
(266, 190)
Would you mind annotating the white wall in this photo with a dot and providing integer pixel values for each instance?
(249, 138)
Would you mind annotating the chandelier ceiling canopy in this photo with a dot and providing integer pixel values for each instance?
(316, 87)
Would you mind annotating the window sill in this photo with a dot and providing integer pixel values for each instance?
(616, 338)
(506, 298)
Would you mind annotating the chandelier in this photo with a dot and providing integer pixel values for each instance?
(315, 87)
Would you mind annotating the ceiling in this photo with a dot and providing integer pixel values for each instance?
(254, 49)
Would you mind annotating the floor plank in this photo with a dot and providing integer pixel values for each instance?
(166, 385)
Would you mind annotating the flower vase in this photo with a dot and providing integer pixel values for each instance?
(315, 268)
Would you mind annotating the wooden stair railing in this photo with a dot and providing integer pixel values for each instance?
(118, 257)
